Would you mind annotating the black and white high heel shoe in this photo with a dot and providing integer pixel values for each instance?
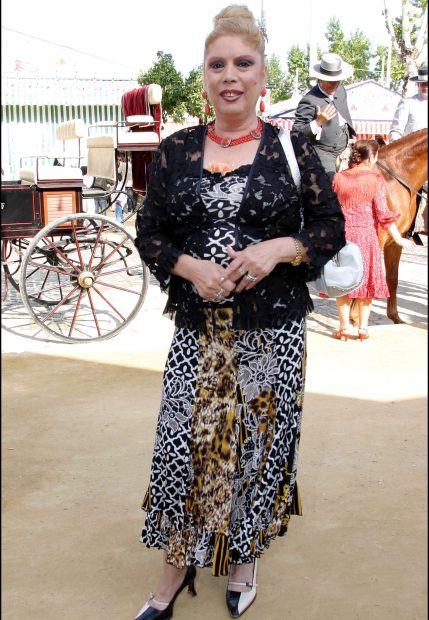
(147, 612)
(238, 602)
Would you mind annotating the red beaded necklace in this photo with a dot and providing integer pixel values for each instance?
(227, 142)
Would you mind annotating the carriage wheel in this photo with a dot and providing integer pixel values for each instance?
(86, 285)
(12, 253)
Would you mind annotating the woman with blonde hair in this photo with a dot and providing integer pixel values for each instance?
(233, 242)
(361, 191)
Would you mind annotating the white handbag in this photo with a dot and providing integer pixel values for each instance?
(343, 273)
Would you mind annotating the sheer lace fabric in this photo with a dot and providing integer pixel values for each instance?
(270, 207)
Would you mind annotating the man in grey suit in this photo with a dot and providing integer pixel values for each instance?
(323, 114)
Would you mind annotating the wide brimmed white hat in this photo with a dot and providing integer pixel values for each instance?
(332, 68)
(422, 75)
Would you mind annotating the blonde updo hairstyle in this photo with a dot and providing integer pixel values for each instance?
(237, 19)
(362, 150)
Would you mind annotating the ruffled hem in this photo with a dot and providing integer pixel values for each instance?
(203, 548)
(367, 294)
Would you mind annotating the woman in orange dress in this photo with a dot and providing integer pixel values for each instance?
(361, 191)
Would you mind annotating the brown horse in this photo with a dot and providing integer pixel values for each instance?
(407, 158)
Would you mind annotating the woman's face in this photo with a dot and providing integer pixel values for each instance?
(234, 74)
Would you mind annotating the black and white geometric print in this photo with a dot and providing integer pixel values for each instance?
(270, 365)
(222, 196)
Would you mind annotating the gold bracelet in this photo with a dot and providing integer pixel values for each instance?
(298, 254)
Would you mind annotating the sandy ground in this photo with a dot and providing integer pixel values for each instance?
(77, 434)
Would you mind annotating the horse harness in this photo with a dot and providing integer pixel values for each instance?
(401, 181)
(419, 194)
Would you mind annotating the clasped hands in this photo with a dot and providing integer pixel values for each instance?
(248, 267)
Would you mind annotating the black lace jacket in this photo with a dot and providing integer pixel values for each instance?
(271, 207)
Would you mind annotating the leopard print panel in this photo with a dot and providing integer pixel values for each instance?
(223, 482)
(212, 443)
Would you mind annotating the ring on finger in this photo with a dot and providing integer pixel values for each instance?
(218, 294)
(241, 271)
(249, 277)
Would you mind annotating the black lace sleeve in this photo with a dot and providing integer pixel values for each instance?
(322, 233)
(154, 240)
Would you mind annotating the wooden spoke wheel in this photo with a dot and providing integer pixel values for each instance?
(85, 285)
(12, 254)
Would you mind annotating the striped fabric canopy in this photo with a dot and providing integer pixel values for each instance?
(32, 108)
(364, 129)
(56, 114)
(30, 129)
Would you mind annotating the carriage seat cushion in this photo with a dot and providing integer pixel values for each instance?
(103, 141)
(141, 118)
(71, 130)
(50, 173)
(154, 94)
(135, 138)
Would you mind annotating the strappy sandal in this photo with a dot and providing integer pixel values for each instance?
(342, 334)
(363, 334)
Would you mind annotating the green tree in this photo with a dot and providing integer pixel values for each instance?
(356, 50)
(277, 80)
(164, 73)
(359, 55)
(194, 102)
(298, 65)
(335, 37)
(408, 34)
(395, 69)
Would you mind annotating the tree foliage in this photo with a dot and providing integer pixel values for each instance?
(277, 80)
(395, 70)
(356, 50)
(194, 102)
(298, 67)
(164, 73)
(408, 34)
(295, 80)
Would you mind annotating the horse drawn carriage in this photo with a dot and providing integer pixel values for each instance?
(78, 272)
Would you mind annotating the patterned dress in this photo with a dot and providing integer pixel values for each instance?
(223, 481)
(362, 196)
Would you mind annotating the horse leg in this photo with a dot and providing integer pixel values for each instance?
(392, 254)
